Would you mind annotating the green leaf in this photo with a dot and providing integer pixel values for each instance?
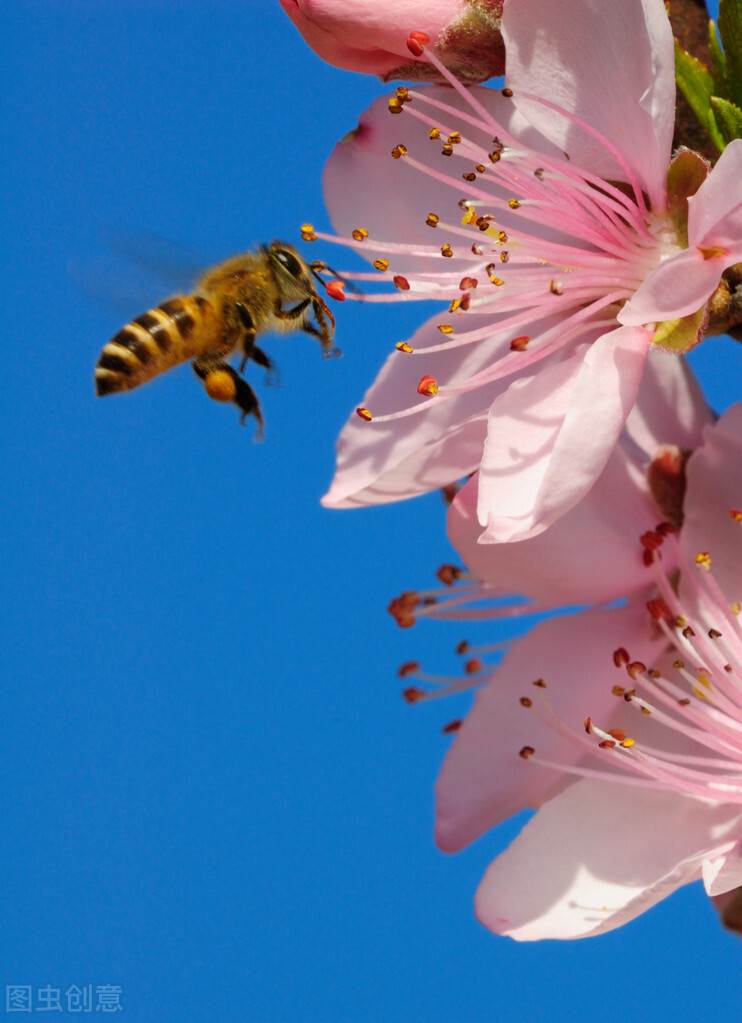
(695, 82)
(718, 60)
(730, 29)
(681, 335)
(728, 118)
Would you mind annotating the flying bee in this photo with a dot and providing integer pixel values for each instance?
(232, 304)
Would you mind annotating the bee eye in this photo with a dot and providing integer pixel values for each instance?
(289, 261)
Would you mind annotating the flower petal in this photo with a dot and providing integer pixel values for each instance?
(588, 556)
(483, 780)
(595, 857)
(380, 462)
(678, 286)
(714, 490)
(610, 64)
(715, 211)
(670, 407)
(550, 435)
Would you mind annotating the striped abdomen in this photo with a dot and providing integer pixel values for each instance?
(175, 331)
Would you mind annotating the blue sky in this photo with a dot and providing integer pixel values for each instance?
(212, 793)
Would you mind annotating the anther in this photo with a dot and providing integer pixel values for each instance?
(688, 632)
(539, 173)
(448, 574)
(514, 204)
(507, 93)
(402, 346)
(446, 250)
(635, 669)
(359, 234)
(452, 726)
(607, 744)
(714, 634)
(447, 149)
(618, 690)
(525, 701)
(403, 94)
(468, 283)
(520, 343)
(479, 168)
(476, 250)
(526, 752)
(381, 264)
(504, 256)
(703, 560)
(628, 743)
(712, 251)
(416, 42)
(395, 105)
(462, 646)
(495, 155)
(412, 694)
(735, 514)
(502, 236)
(473, 667)
(399, 151)
(428, 386)
(308, 233)
(401, 283)
(432, 220)
(454, 138)
(408, 668)
(469, 176)
(587, 724)
(540, 683)
(434, 133)
(556, 288)
(445, 328)
(336, 290)
(617, 733)
(621, 657)
(658, 609)
(363, 413)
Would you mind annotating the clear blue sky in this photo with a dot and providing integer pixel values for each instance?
(211, 793)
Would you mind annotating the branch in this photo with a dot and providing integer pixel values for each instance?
(689, 20)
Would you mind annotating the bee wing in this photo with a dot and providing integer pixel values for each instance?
(131, 273)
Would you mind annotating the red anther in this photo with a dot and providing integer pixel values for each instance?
(735, 514)
(617, 733)
(688, 632)
(408, 668)
(364, 414)
(401, 283)
(335, 289)
(526, 752)
(607, 744)
(452, 726)
(448, 574)
(428, 386)
(651, 540)
(525, 701)
(413, 694)
(473, 667)
(416, 42)
(629, 695)
(540, 683)
(520, 343)
(658, 609)
(635, 669)
(648, 557)
(465, 302)
(468, 283)
(462, 647)
(588, 725)
(621, 657)
(618, 690)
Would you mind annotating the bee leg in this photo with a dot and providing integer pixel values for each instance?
(290, 314)
(260, 357)
(223, 383)
(249, 332)
(324, 336)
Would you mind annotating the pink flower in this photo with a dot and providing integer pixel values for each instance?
(553, 251)
(630, 737)
(371, 35)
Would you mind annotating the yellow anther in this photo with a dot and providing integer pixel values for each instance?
(432, 220)
(447, 149)
(363, 413)
(514, 204)
(470, 217)
(381, 264)
(399, 151)
(628, 743)
(395, 105)
(703, 560)
(479, 168)
(308, 233)
(446, 250)
(454, 138)
(445, 328)
(434, 133)
(359, 233)
(703, 678)
(502, 236)
(402, 346)
(736, 607)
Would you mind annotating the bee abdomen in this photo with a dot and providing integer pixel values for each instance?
(171, 333)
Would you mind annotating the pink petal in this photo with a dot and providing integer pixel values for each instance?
(595, 857)
(678, 286)
(715, 211)
(611, 64)
(368, 35)
(591, 554)
(380, 462)
(670, 407)
(714, 475)
(550, 435)
(724, 872)
(365, 187)
(483, 780)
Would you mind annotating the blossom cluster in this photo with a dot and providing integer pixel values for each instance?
(580, 253)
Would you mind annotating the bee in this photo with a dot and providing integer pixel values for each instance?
(232, 305)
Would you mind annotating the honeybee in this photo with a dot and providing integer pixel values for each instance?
(232, 304)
